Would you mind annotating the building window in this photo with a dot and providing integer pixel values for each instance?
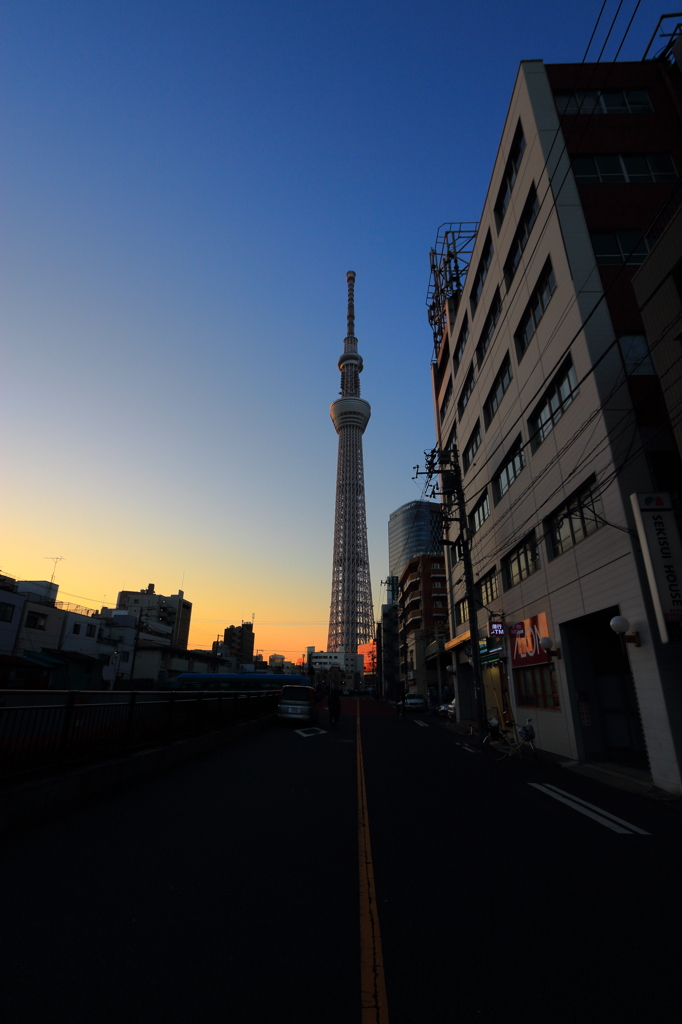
(437, 604)
(636, 355)
(456, 552)
(575, 520)
(462, 612)
(509, 470)
(90, 630)
(554, 404)
(436, 583)
(520, 563)
(533, 313)
(607, 101)
(125, 657)
(510, 172)
(496, 393)
(6, 611)
(486, 588)
(615, 167)
(436, 565)
(462, 339)
(489, 326)
(35, 621)
(76, 628)
(481, 274)
(472, 446)
(446, 400)
(536, 687)
(479, 514)
(528, 218)
(465, 395)
(617, 247)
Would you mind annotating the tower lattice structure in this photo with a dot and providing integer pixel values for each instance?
(351, 619)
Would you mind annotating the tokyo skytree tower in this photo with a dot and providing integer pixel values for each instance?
(351, 618)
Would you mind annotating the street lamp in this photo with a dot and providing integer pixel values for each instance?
(546, 644)
(620, 626)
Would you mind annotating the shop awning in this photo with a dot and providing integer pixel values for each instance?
(457, 640)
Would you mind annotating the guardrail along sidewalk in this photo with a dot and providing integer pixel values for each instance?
(69, 728)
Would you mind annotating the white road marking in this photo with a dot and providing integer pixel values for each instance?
(606, 814)
(470, 749)
(417, 722)
(310, 732)
(600, 816)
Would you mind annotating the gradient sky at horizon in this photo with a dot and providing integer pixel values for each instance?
(185, 186)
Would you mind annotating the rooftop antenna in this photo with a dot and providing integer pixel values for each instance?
(55, 559)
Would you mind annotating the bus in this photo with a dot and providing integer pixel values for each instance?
(241, 682)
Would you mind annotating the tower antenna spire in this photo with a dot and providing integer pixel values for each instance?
(350, 277)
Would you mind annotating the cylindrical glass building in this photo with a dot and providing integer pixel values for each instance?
(413, 529)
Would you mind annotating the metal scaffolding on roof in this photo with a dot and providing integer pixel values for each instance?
(449, 260)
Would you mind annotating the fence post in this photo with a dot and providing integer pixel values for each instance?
(171, 708)
(131, 715)
(66, 727)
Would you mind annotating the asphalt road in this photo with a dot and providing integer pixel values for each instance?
(227, 890)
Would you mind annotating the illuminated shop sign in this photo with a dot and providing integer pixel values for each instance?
(524, 639)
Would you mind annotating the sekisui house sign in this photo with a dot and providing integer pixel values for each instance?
(662, 553)
(524, 640)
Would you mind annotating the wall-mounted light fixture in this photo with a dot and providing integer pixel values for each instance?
(620, 625)
(546, 644)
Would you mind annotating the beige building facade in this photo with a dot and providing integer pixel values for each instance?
(532, 388)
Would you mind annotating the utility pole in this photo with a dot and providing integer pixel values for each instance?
(446, 463)
(451, 459)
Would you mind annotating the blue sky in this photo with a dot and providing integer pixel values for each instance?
(184, 188)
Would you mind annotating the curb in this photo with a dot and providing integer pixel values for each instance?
(29, 802)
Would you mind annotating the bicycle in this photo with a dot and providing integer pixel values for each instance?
(499, 742)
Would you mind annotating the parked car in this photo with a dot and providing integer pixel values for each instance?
(298, 704)
(415, 702)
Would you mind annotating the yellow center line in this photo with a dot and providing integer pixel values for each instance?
(372, 983)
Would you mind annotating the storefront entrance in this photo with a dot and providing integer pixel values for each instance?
(605, 706)
(497, 693)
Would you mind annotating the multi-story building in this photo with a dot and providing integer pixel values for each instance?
(351, 665)
(238, 643)
(658, 288)
(173, 611)
(413, 529)
(388, 651)
(422, 620)
(11, 605)
(544, 383)
(42, 622)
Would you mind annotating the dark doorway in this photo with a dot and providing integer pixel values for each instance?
(464, 689)
(604, 698)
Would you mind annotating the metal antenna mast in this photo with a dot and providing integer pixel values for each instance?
(351, 616)
(55, 559)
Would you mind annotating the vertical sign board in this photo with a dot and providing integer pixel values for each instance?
(525, 641)
(662, 552)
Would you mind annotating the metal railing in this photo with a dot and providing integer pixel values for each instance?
(83, 727)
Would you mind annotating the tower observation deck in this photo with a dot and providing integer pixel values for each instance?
(351, 619)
